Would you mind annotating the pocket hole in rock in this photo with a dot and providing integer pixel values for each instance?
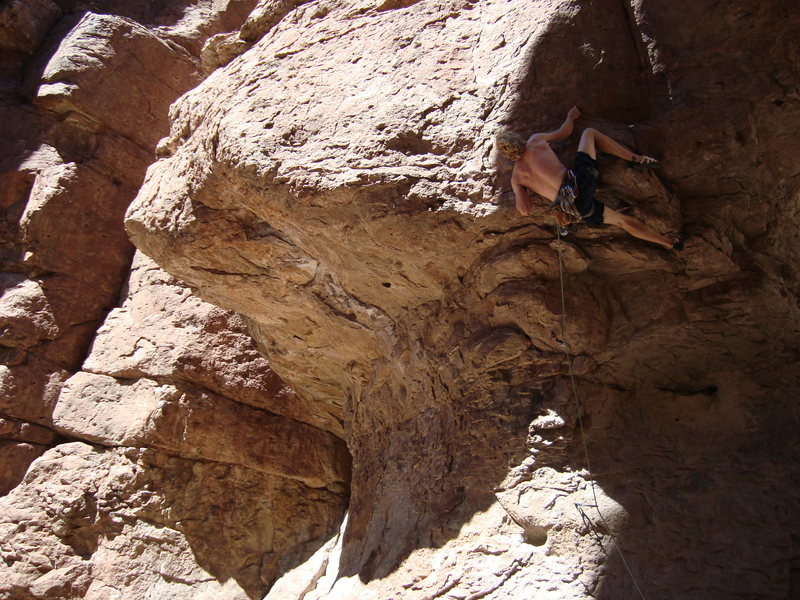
(535, 536)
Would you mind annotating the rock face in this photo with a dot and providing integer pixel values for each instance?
(147, 382)
(349, 201)
(123, 523)
(332, 190)
(198, 473)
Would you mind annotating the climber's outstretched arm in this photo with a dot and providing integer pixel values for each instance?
(565, 130)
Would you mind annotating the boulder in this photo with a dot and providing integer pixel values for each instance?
(90, 522)
(198, 424)
(163, 331)
(104, 54)
(24, 24)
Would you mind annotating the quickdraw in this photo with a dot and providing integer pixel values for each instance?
(565, 199)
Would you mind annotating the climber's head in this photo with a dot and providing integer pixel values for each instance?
(511, 144)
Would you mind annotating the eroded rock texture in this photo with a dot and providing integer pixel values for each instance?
(136, 523)
(331, 188)
(337, 184)
(199, 473)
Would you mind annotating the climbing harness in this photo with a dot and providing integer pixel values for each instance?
(565, 198)
(596, 506)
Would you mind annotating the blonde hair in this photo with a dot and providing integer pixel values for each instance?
(510, 144)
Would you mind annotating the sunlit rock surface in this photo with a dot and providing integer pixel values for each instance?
(331, 189)
(202, 474)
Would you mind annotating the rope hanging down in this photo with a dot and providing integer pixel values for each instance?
(578, 409)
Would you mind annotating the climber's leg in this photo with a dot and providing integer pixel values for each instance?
(636, 228)
(592, 140)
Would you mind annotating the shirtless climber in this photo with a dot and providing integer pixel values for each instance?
(537, 168)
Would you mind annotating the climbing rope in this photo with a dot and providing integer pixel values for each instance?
(578, 408)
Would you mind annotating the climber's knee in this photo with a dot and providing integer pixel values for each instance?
(612, 217)
(587, 143)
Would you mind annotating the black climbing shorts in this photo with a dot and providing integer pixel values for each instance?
(586, 172)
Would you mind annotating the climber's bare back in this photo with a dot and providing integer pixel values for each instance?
(539, 170)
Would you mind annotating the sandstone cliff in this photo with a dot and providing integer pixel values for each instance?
(335, 307)
(173, 461)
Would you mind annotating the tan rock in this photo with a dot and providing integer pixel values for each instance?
(221, 49)
(27, 317)
(20, 444)
(191, 24)
(162, 330)
(27, 432)
(103, 54)
(69, 173)
(49, 317)
(195, 423)
(72, 207)
(185, 529)
(29, 389)
(24, 23)
(490, 557)
(265, 16)
(336, 184)
(15, 458)
(349, 201)
(86, 523)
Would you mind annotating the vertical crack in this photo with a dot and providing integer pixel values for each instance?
(655, 93)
